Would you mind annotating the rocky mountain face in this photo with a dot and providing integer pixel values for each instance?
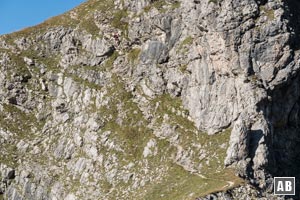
(152, 99)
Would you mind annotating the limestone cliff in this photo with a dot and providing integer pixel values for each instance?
(152, 99)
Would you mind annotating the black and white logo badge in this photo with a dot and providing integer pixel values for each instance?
(284, 185)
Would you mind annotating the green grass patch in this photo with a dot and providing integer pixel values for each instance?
(180, 184)
(162, 6)
(133, 55)
(183, 68)
(109, 63)
(8, 155)
(159, 4)
(119, 22)
(267, 12)
(175, 5)
(214, 146)
(213, 1)
(187, 41)
(17, 121)
(90, 27)
(20, 123)
(166, 106)
(132, 132)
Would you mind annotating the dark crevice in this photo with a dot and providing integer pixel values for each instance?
(283, 114)
(292, 8)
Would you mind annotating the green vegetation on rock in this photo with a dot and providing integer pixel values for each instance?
(183, 68)
(267, 12)
(187, 41)
(101, 132)
(162, 6)
(118, 21)
(17, 121)
(213, 1)
(132, 127)
(133, 55)
(180, 184)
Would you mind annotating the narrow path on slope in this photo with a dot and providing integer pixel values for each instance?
(229, 183)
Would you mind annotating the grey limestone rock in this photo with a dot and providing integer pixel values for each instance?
(124, 99)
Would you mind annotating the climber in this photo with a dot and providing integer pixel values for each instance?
(117, 39)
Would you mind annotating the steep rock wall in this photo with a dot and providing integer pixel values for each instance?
(91, 101)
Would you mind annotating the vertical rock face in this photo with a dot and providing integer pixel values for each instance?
(152, 100)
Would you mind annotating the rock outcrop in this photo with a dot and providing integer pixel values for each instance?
(152, 99)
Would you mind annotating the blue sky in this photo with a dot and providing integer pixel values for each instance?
(18, 14)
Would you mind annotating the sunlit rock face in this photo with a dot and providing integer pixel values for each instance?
(152, 100)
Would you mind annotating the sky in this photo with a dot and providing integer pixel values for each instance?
(18, 14)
